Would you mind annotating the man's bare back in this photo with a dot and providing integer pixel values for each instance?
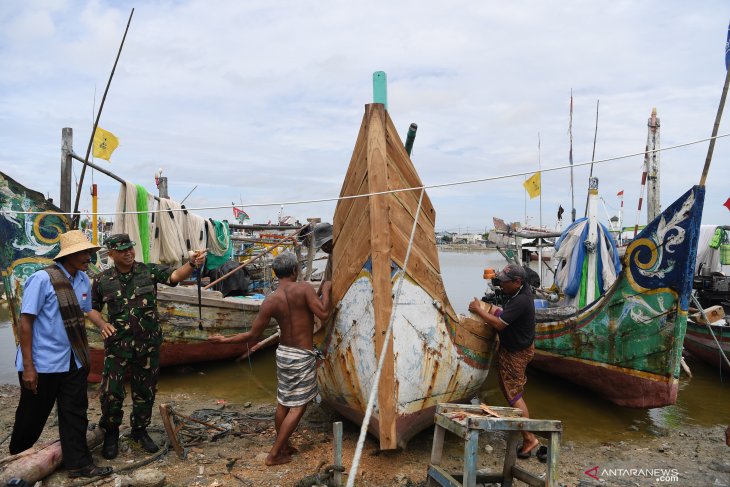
(294, 305)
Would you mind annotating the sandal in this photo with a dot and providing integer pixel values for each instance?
(542, 453)
(524, 455)
(90, 471)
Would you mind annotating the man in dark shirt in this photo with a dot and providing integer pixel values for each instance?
(515, 325)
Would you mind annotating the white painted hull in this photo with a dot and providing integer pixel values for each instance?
(429, 367)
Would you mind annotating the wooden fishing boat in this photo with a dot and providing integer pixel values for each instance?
(701, 344)
(433, 355)
(626, 345)
(185, 334)
(30, 241)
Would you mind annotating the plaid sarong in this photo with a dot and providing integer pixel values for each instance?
(511, 367)
(71, 313)
(296, 372)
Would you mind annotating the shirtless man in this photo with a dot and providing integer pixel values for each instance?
(293, 305)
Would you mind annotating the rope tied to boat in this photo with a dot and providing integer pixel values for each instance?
(381, 359)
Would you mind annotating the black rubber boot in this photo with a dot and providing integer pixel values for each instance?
(144, 440)
(110, 449)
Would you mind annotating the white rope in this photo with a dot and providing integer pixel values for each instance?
(709, 327)
(381, 359)
(430, 186)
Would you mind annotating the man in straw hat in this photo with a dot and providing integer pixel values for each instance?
(53, 355)
(129, 291)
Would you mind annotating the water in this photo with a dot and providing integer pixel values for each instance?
(702, 399)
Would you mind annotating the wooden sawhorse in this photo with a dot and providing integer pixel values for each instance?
(467, 421)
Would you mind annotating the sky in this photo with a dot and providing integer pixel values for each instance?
(260, 102)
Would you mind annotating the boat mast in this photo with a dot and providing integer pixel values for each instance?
(591, 243)
(570, 133)
(593, 157)
(718, 117)
(75, 215)
(651, 160)
(539, 240)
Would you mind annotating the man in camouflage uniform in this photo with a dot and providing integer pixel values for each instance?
(129, 292)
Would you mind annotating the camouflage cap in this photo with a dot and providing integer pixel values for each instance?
(118, 241)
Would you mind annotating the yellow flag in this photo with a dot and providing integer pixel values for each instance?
(532, 185)
(104, 143)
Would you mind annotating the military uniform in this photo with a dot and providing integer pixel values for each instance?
(131, 301)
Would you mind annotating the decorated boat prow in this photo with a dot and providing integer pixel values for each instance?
(626, 345)
(30, 230)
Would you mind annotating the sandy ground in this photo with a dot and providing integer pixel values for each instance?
(690, 455)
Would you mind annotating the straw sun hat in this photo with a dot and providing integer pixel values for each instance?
(74, 241)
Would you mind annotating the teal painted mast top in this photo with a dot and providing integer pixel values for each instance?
(380, 88)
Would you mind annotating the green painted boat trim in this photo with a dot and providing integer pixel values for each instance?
(627, 344)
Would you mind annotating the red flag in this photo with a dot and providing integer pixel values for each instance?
(240, 214)
(727, 204)
(620, 193)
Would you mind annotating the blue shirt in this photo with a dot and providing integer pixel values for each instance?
(51, 346)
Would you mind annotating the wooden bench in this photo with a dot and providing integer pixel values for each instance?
(467, 421)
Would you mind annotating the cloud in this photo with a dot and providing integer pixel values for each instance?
(262, 102)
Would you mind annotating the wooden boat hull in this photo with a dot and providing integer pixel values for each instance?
(184, 341)
(429, 365)
(30, 241)
(700, 343)
(626, 346)
(432, 354)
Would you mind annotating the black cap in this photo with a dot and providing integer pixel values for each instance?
(322, 234)
(511, 272)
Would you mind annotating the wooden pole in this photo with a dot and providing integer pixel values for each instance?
(67, 135)
(337, 433)
(653, 198)
(75, 221)
(570, 157)
(41, 462)
(715, 129)
(94, 220)
(311, 250)
(593, 157)
(167, 422)
(162, 187)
